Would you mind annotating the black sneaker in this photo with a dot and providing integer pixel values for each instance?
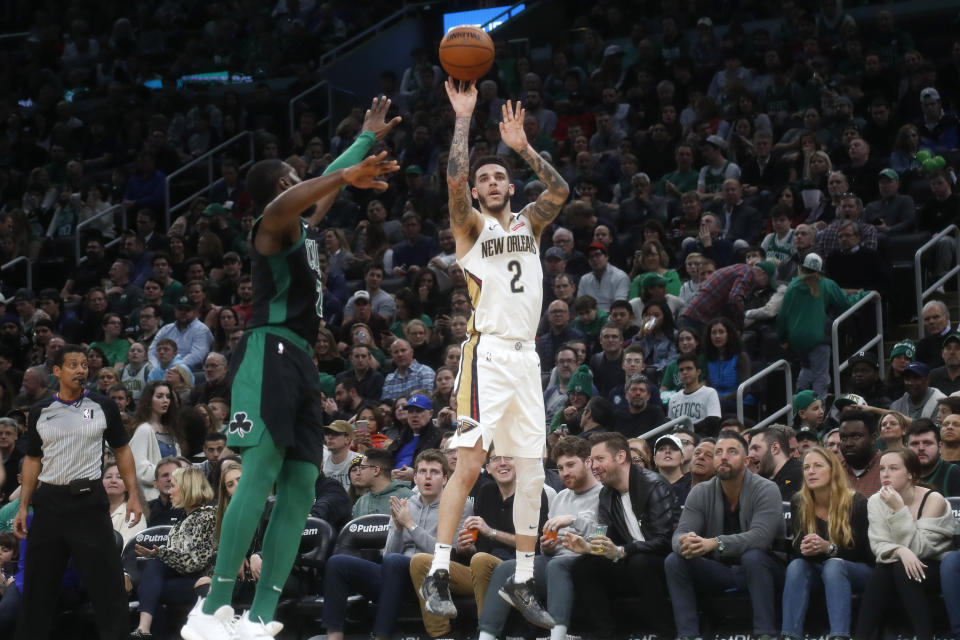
(136, 634)
(521, 597)
(435, 591)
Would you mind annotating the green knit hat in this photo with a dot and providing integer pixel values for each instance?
(327, 384)
(582, 381)
(771, 270)
(904, 348)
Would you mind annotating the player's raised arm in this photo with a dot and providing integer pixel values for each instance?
(547, 206)
(465, 221)
(375, 128)
(284, 211)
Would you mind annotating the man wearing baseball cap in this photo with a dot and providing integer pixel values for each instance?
(419, 435)
(893, 212)
(947, 377)
(937, 128)
(920, 399)
(668, 456)
(605, 282)
(192, 336)
(865, 379)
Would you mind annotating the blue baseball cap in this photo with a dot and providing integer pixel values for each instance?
(420, 401)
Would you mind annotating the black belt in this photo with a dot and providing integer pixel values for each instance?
(78, 487)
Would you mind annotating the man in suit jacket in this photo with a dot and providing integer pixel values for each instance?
(724, 540)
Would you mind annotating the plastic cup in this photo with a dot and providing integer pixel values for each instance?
(472, 534)
(598, 530)
(550, 536)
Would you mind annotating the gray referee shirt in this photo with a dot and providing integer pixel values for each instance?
(68, 437)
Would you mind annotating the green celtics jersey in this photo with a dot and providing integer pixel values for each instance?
(286, 287)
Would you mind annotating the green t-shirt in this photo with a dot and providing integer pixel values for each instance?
(116, 351)
(592, 329)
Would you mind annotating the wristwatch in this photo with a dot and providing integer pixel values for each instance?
(412, 527)
(832, 550)
(721, 547)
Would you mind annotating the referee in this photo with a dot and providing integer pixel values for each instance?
(71, 518)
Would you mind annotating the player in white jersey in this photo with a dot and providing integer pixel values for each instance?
(498, 391)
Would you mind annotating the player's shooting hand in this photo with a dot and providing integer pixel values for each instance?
(463, 97)
(365, 174)
(375, 120)
(511, 127)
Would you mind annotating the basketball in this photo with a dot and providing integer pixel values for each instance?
(466, 53)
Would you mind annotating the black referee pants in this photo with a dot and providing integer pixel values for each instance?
(69, 526)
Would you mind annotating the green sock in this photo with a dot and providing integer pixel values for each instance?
(296, 492)
(261, 466)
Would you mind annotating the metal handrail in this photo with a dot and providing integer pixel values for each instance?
(88, 221)
(877, 340)
(16, 261)
(763, 373)
(292, 109)
(668, 425)
(921, 293)
(211, 183)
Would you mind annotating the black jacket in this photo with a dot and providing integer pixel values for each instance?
(430, 437)
(654, 504)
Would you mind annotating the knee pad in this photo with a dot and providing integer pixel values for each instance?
(526, 500)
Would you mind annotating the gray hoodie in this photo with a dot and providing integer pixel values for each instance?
(424, 536)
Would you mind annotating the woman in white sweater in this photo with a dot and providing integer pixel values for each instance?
(117, 495)
(158, 433)
(911, 529)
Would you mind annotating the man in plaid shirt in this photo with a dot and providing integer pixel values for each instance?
(724, 294)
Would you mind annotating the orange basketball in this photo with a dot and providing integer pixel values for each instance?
(466, 53)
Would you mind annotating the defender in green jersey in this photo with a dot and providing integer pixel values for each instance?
(276, 414)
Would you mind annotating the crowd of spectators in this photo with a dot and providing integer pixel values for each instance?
(729, 194)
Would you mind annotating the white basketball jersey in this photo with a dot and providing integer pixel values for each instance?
(505, 280)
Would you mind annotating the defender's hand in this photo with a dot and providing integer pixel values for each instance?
(364, 175)
(375, 120)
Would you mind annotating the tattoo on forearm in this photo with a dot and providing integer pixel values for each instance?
(548, 204)
(457, 171)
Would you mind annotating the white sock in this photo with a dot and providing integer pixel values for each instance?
(486, 636)
(441, 558)
(559, 632)
(524, 569)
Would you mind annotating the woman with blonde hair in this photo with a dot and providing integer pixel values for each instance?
(181, 380)
(190, 551)
(831, 549)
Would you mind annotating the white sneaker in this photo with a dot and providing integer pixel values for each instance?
(248, 629)
(203, 626)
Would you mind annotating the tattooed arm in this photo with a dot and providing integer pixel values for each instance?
(545, 209)
(465, 221)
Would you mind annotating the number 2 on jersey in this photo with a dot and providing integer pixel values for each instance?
(514, 267)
